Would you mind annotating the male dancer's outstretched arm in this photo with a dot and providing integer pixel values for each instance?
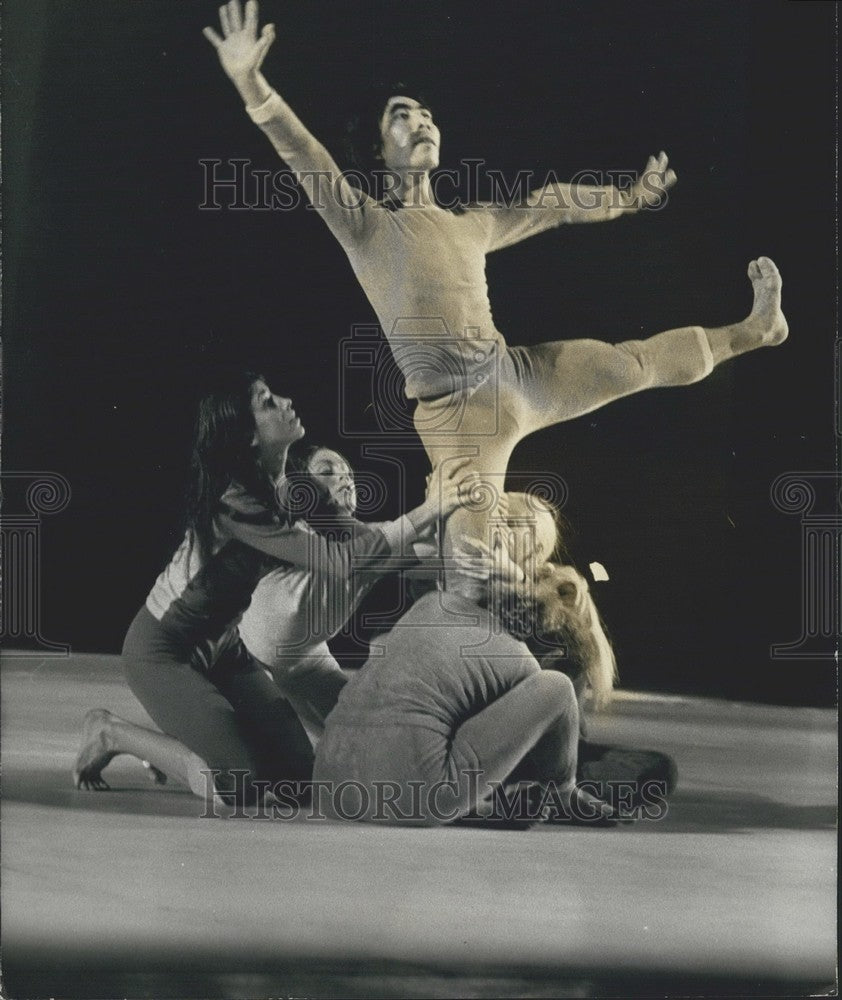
(241, 50)
(557, 203)
(601, 203)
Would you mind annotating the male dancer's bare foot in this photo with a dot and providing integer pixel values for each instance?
(766, 321)
(765, 326)
(96, 751)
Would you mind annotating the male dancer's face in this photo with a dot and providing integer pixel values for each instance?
(334, 479)
(410, 140)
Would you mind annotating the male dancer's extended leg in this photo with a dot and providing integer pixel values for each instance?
(565, 379)
(554, 382)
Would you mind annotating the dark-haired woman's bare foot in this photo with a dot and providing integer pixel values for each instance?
(96, 751)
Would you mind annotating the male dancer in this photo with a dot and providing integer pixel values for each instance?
(423, 270)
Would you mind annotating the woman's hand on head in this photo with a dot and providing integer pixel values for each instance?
(476, 560)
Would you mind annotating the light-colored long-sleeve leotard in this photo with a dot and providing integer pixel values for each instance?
(421, 266)
(199, 599)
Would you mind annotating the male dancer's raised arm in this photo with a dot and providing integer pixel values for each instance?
(241, 50)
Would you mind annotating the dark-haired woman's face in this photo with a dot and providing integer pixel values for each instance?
(410, 139)
(275, 422)
(334, 478)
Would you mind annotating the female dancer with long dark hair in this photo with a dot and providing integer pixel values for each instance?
(233, 724)
(295, 610)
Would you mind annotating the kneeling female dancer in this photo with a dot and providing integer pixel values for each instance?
(295, 610)
(233, 724)
(452, 708)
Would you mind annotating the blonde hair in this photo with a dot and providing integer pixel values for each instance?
(566, 607)
(561, 608)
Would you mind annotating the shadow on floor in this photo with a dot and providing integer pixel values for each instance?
(689, 811)
(373, 980)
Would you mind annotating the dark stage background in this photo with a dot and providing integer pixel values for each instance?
(121, 296)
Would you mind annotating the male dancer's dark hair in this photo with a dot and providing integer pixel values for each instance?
(362, 139)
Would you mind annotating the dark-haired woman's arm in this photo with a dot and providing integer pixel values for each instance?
(369, 549)
(381, 548)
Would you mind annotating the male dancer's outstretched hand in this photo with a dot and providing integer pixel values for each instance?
(241, 50)
(651, 186)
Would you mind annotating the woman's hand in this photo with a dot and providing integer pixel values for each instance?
(449, 487)
(479, 562)
(241, 50)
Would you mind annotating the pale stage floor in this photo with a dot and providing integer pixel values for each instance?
(131, 893)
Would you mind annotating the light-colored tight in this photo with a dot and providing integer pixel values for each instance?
(531, 388)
